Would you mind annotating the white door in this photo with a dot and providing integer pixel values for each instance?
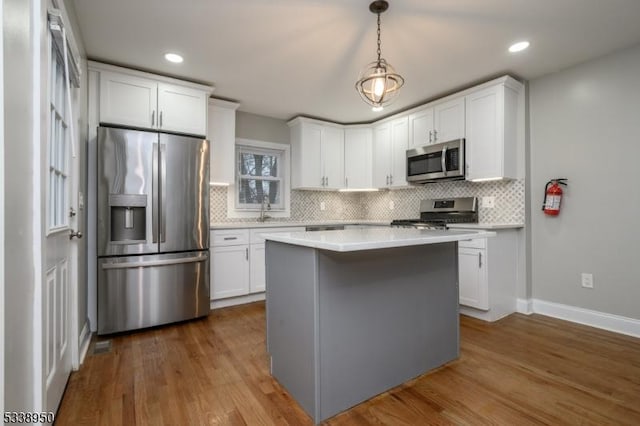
(472, 276)
(357, 158)
(333, 156)
(421, 128)
(59, 336)
(449, 120)
(484, 133)
(310, 167)
(229, 271)
(128, 100)
(257, 274)
(381, 155)
(399, 145)
(182, 109)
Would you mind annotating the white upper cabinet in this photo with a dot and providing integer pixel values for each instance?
(221, 132)
(317, 155)
(182, 109)
(492, 136)
(421, 128)
(128, 100)
(137, 99)
(358, 151)
(449, 120)
(440, 122)
(390, 142)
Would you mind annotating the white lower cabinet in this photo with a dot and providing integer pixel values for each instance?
(488, 275)
(229, 271)
(238, 261)
(257, 270)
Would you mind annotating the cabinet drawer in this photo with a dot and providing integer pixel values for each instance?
(229, 237)
(256, 234)
(475, 243)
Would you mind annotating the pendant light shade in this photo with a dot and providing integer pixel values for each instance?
(379, 83)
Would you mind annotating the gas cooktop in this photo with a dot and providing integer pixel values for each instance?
(437, 213)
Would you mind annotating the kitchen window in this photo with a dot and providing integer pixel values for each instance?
(58, 197)
(260, 178)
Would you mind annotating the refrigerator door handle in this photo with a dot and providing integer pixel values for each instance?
(163, 193)
(149, 263)
(154, 191)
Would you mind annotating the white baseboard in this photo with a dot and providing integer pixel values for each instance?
(240, 300)
(84, 340)
(605, 321)
(525, 306)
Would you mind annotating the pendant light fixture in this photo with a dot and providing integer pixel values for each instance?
(379, 83)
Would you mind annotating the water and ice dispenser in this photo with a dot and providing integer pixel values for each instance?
(128, 218)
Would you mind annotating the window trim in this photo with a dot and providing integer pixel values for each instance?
(57, 109)
(232, 211)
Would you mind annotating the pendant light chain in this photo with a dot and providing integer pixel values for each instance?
(379, 49)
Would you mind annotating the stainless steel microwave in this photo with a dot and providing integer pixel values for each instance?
(436, 162)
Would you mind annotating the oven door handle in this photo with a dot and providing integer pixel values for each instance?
(443, 160)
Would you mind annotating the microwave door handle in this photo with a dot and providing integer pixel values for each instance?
(443, 160)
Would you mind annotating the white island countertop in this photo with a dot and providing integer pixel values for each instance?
(374, 238)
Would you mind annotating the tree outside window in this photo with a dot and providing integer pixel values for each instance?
(259, 175)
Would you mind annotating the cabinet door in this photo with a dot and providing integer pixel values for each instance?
(182, 109)
(310, 167)
(449, 120)
(421, 128)
(221, 132)
(229, 271)
(257, 273)
(357, 158)
(332, 152)
(381, 155)
(472, 277)
(128, 100)
(399, 145)
(484, 133)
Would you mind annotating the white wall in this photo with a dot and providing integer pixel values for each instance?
(18, 212)
(585, 125)
(2, 307)
(259, 127)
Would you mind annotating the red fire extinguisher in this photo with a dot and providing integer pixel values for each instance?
(553, 196)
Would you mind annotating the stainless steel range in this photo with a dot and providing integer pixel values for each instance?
(438, 213)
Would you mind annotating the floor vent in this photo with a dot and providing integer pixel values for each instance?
(102, 347)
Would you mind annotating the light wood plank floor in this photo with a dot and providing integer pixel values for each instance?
(518, 371)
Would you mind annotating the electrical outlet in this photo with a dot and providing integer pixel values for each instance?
(488, 202)
(392, 205)
(587, 280)
(322, 206)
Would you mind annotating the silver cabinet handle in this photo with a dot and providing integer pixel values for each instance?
(346, 182)
(230, 238)
(435, 135)
(246, 253)
(74, 234)
(390, 179)
(479, 259)
(387, 179)
(160, 119)
(327, 184)
(430, 136)
(153, 118)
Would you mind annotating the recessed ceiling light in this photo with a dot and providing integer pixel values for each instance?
(173, 57)
(518, 47)
(377, 108)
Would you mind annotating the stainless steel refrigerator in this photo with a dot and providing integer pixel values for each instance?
(153, 229)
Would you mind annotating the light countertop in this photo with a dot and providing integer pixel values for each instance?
(373, 238)
(487, 225)
(284, 224)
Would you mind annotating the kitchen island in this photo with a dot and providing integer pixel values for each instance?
(351, 314)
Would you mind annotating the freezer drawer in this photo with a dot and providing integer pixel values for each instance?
(143, 291)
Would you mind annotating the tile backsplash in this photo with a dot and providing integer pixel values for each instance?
(305, 205)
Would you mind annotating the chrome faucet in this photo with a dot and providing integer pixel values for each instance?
(263, 217)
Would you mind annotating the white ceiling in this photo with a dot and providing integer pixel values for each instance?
(282, 58)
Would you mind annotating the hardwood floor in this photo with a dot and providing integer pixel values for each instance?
(520, 370)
